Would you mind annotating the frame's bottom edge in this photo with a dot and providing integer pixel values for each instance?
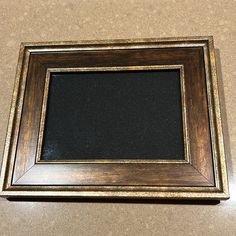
(115, 195)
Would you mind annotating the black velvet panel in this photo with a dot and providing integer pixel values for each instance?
(114, 115)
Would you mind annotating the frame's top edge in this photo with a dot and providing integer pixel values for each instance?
(120, 41)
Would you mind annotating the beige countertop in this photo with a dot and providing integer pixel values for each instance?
(56, 20)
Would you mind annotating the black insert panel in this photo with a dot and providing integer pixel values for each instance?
(114, 115)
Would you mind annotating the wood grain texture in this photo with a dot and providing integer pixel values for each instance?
(113, 174)
(198, 173)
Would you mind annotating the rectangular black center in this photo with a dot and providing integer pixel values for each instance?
(114, 115)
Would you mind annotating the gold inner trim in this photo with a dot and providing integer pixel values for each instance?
(86, 69)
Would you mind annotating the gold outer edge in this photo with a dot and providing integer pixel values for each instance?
(114, 44)
(20, 98)
(125, 47)
(211, 114)
(112, 188)
(194, 39)
(15, 113)
(117, 194)
(123, 68)
(218, 126)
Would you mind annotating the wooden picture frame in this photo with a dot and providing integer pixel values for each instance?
(200, 175)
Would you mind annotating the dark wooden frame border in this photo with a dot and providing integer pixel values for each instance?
(202, 176)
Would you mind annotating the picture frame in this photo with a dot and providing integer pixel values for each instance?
(200, 173)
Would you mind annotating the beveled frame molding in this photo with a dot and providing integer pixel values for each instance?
(130, 68)
(202, 176)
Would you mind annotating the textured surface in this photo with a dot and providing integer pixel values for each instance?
(114, 115)
(74, 20)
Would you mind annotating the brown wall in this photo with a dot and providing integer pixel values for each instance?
(35, 20)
